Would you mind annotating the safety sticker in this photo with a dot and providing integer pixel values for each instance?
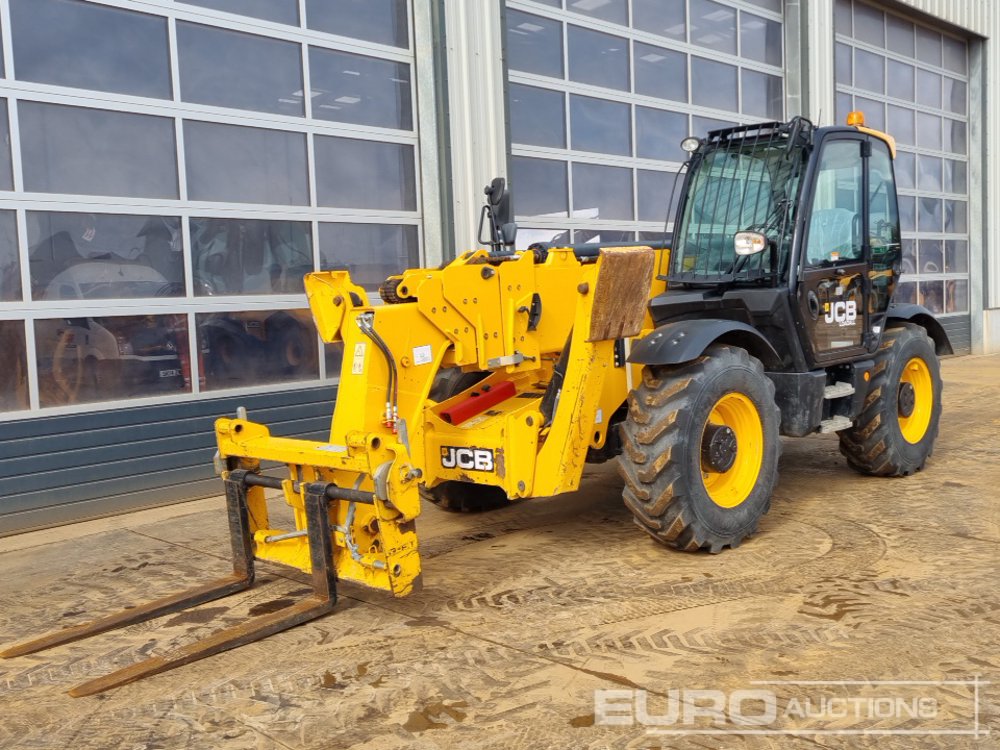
(422, 355)
(358, 366)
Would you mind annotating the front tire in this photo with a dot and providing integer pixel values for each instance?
(700, 450)
(895, 432)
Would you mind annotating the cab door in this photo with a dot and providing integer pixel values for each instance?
(834, 286)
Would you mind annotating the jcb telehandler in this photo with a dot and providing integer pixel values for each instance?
(495, 377)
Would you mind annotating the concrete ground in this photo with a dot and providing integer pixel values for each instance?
(527, 611)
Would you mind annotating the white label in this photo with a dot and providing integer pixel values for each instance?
(599, 418)
(422, 355)
(332, 448)
(358, 366)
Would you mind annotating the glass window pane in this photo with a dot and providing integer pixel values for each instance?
(537, 116)
(663, 17)
(360, 89)
(844, 105)
(928, 89)
(95, 152)
(371, 252)
(713, 25)
(909, 264)
(659, 133)
(10, 263)
(900, 80)
(244, 71)
(837, 205)
(906, 292)
(929, 218)
(602, 235)
(905, 166)
(760, 39)
(79, 256)
(14, 375)
(763, 95)
(874, 112)
(869, 25)
(956, 55)
(382, 21)
(899, 35)
(955, 180)
(365, 174)
(660, 72)
(702, 125)
(713, 84)
(931, 295)
(539, 187)
(597, 58)
(869, 71)
(928, 46)
(843, 65)
(601, 126)
(955, 136)
(929, 173)
(931, 256)
(956, 256)
(250, 256)
(602, 192)
(955, 96)
(907, 213)
(956, 217)
(615, 11)
(534, 44)
(956, 296)
(89, 46)
(655, 189)
(527, 236)
(253, 348)
(111, 358)
(6, 175)
(928, 131)
(771, 5)
(900, 124)
(279, 11)
(842, 17)
(235, 164)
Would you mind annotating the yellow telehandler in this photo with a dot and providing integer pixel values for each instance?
(497, 376)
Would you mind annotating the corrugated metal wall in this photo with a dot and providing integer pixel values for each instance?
(54, 470)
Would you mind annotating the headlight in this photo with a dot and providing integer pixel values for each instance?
(749, 243)
(690, 144)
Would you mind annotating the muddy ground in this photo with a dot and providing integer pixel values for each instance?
(529, 610)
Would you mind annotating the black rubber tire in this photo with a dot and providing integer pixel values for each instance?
(875, 445)
(661, 458)
(465, 497)
(461, 497)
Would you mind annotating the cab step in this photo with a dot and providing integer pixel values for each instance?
(838, 390)
(835, 424)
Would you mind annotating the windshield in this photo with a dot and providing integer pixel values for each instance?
(737, 186)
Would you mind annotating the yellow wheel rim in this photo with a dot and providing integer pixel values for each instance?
(730, 488)
(918, 375)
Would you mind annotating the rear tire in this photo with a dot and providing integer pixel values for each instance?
(895, 432)
(691, 484)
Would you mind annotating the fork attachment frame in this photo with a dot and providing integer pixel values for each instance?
(324, 580)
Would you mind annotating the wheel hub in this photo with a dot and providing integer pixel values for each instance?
(718, 448)
(907, 400)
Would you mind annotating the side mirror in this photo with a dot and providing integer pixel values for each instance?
(749, 243)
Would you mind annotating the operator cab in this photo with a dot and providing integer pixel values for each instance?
(788, 227)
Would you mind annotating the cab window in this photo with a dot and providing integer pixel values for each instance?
(835, 224)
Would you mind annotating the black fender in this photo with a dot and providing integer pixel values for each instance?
(912, 313)
(685, 340)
